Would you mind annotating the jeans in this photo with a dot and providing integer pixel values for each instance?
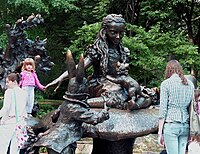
(31, 97)
(176, 137)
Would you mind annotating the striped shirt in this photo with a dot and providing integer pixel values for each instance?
(175, 98)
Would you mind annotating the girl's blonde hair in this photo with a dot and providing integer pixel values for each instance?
(28, 61)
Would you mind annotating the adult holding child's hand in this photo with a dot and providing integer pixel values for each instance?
(13, 111)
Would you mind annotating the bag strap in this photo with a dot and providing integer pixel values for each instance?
(16, 113)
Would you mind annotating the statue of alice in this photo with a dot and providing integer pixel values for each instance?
(104, 55)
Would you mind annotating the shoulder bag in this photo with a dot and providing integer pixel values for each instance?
(20, 130)
(194, 119)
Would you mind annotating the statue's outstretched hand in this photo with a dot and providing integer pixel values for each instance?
(44, 89)
(53, 83)
(47, 86)
(58, 81)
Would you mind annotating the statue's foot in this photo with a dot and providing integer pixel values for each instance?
(139, 104)
(131, 105)
(144, 102)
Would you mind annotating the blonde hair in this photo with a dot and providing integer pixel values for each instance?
(28, 61)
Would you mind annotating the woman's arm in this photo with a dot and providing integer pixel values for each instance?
(160, 127)
(160, 132)
(163, 111)
(6, 103)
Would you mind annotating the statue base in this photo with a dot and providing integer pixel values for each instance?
(124, 146)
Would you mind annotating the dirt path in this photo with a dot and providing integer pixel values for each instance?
(147, 145)
(143, 145)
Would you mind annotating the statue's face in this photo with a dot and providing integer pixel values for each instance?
(115, 32)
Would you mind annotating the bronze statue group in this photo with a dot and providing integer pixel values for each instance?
(110, 86)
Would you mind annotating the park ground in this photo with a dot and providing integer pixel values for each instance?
(143, 145)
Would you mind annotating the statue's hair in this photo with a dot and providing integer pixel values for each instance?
(101, 40)
(117, 18)
(28, 61)
(173, 66)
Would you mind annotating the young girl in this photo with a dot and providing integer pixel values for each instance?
(29, 81)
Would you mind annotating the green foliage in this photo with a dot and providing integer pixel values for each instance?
(28, 6)
(155, 9)
(42, 150)
(44, 109)
(3, 40)
(66, 5)
(71, 24)
(38, 95)
(85, 36)
(44, 6)
(100, 9)
(119, 7)
(150, 52)
(1, 103)
(94, 11)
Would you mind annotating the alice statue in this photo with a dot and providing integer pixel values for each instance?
(104, 55)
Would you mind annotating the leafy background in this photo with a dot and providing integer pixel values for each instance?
(156, 30)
